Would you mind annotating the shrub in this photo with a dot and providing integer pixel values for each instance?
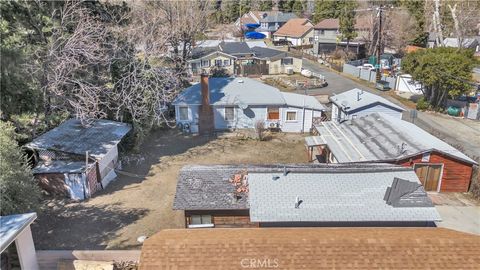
(422, 104)
(260, 130)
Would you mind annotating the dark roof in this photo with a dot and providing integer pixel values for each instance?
(72, 137)
(311, 248)
(261, 52)
(276, 16)
(404, 193)
(207, 187)
(234, 48)
(199, 52)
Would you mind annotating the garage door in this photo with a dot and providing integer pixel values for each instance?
(429, 175)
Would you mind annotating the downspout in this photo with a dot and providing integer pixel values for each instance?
(303, 116)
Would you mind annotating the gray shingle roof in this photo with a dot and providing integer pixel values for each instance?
(332, 196)
(72, 137)
(267, 53)
(356, 99)
(380, 137)
(278, 17)
(404, 193)
(235, 48)
(232, 91)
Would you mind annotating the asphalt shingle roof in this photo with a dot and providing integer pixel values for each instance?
(311, 248)
(333, 196)
(232, 91)
(278, 17)
(380, 137)
(295, 28)
(356, 99)
(262, 52)
(72, 137)
(234, 48)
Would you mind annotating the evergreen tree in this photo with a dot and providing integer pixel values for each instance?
(232, 11)
(327, 9)
(286, 5)
(298, 7)
(19, 193)
(266, 5)
(347, 21)
(417, 10)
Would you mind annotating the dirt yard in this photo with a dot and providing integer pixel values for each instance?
(140, 201)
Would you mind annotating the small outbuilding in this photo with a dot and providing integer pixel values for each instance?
(384, 138)
(76, 160)
(356, 103)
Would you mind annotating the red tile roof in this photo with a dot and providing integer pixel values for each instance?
(311, 248)
(294, 28)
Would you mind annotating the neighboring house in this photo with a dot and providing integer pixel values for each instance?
(251, 17)
(469, 43)
(384, 138)
(298, 31)
(356, 103)
(61, 156)
(238, 103)
(243, 58)
(271, 21)
(311, 248)
(327, 38)
(16, 229)
(296, 195)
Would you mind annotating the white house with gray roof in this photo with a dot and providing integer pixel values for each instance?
(302, 195)
(239, 103)
(357, 103)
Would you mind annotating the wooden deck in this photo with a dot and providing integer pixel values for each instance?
(48, 259)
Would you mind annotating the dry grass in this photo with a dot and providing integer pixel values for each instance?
(131, 207)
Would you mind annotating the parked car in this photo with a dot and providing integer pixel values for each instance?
(307, 73)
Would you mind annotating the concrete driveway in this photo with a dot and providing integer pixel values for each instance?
(459, 212)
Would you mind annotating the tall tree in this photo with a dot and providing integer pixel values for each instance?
(347, 22)
(416, 9)
(19, 193)
(443, 72)
(266, 5)
(328, 9)
(298, 7)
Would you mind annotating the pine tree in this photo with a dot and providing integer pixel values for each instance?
(298, 7)
(266, 5)
(347, 21)
(18, 191)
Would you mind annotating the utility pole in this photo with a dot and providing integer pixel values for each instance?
(379, 44)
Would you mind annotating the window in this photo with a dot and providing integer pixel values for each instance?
(193, 65)
(218, 63)
(322, 32)
(226, 62)
(183, 113)
(205, 63)
(310, 39)
(273, 114)
(229, 113)
(291, 116)
(200, 219)
(287, 61)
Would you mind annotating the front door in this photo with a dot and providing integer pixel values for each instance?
(429, 175)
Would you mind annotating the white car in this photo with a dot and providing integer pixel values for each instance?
(307, 73)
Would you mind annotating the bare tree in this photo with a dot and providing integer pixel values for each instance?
(67, 67)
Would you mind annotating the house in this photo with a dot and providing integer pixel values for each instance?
(238, 103)
(311, 248)
(298, 195)
(76, 160)
(242, 58)
(251, 17)
(298, 32)
(356, 103)
(16, 229)
(271, 21)
(327, 38)
(380, 137)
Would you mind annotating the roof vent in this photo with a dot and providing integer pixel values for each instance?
(240, 81)
(297, 202)
(285, 171)
(275, 177)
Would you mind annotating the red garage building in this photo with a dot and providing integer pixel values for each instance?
(382, 138)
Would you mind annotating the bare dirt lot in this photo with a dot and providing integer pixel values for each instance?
(134, 206)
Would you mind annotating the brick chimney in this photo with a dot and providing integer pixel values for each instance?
(205, 125)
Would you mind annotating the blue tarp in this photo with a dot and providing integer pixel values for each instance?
(255, 35)
(252, 25)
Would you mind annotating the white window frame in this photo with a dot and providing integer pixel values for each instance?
(283, 64)
(202, 61)
(225, 113)
(202, 224)
(291, 111)
(218, 63)
(226, 62)
(180, 113)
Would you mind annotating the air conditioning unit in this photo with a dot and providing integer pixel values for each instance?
(273, 124)
(289, 70)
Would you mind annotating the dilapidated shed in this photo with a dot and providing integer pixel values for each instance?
(77, 160)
